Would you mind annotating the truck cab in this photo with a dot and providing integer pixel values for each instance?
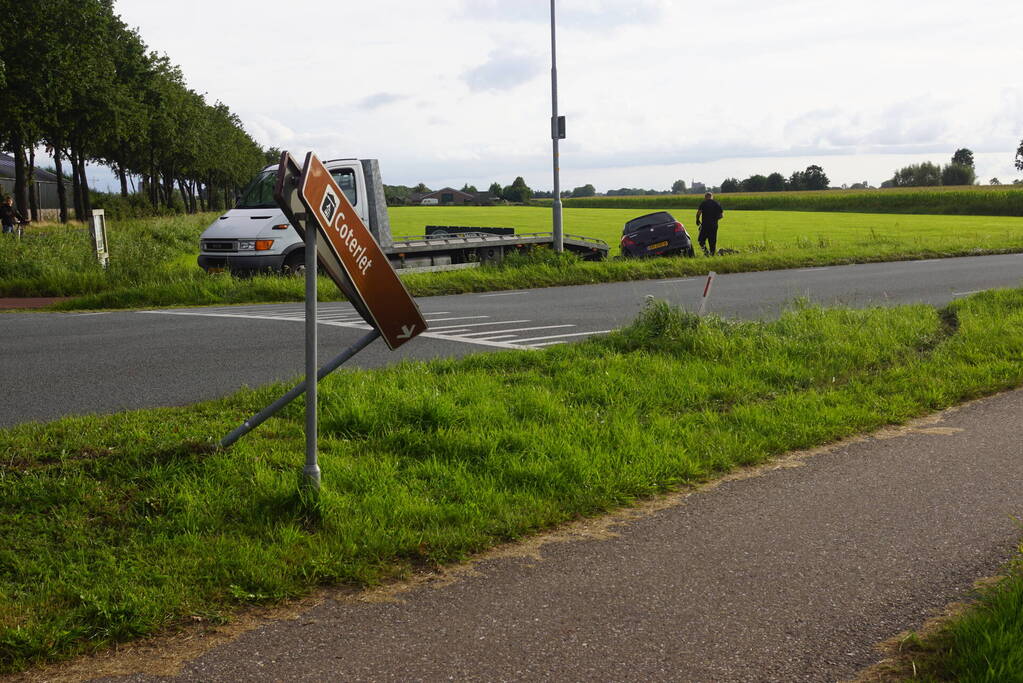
(255, 235)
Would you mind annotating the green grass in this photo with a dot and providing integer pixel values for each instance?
(153, 261)
(968, 200)
(120, 526)
(982, 644)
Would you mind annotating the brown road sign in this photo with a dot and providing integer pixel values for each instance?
(288, 195)
(390, 307)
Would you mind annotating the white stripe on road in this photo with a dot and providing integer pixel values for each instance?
(350, 325)
(484, 296)
(521, 329)
(449, 328)
(555, 336)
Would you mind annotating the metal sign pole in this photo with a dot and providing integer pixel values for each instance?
(311, 473)
(559, 238)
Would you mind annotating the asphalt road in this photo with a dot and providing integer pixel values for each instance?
(67, 364)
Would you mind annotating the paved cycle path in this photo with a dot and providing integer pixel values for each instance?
(793, 572)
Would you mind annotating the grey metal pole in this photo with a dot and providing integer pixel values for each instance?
(559, 238)
(262, 416)
(311, 473)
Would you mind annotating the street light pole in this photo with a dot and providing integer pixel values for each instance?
(559, 238)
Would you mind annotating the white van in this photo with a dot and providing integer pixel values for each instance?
(429, 201)
(255, 235)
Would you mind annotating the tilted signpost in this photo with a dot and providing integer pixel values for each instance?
(336, 239)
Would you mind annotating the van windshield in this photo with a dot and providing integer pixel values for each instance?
(260, 192)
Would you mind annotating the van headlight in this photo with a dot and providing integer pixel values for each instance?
(255, 245)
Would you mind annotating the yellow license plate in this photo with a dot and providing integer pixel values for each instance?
(213, 271)
(657, 246)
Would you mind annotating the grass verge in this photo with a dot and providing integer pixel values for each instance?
(120, 526)
(153, 261)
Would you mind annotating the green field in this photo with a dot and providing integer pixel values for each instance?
(747, 231)
(153, 261)
(120, 526)
(967, 200)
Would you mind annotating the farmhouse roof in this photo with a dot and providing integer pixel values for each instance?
(7, 170)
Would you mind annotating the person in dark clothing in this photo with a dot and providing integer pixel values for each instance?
(9, 216)
(707, 216)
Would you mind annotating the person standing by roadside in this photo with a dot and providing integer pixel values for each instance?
(707, 216)
(9, 216)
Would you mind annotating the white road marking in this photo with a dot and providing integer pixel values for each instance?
(464, 317)
(976, 291)
(350, 325)
(673, 282)
(484, 296)
(520, 329)
(449, 329)
(555, 336)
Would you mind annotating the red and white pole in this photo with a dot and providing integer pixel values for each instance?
(706, 291)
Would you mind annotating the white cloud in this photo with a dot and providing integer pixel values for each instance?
(504, 70)
(653, 89)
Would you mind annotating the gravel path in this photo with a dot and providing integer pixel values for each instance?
(793, 572)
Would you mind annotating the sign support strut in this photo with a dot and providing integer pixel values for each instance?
(261, 417)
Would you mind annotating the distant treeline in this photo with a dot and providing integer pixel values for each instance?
(78, 80)
(982, 201)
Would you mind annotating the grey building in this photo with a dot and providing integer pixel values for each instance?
(45, 185)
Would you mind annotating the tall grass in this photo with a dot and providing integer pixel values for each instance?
(975, 201)
(119, 526)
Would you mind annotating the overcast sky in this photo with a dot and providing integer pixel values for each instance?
(455, 91)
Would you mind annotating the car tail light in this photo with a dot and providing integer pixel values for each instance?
(263, 245)
(679, 228)
(282, 226)
(626, 242)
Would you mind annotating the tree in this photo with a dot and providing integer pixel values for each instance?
(775, 182)
(584, 191)
(678, 187)
(963, 157)
(495, 189)
(994, 181)
(814, 178)
(924, 174)
(755, 183)
(518, 191)
(958, 174)
(421, 188)
(469, 189)
(1019, 157)
(730, 185)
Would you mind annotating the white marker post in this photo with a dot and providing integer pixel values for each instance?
(706, 292)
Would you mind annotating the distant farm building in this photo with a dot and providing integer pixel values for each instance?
(45, 185)
(451, 197)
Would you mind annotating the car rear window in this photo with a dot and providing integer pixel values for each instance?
(657, 218)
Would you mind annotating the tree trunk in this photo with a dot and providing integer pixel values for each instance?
(33, 188)
(123, 177)
(58, 166)
(76, 191)
(20, 176)
(86, 196)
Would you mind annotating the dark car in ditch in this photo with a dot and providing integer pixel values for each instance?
(656, 234)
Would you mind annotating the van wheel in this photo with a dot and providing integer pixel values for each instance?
(295, 263)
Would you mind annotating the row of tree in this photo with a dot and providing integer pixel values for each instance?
(80, 82)
(960, 171)
(813, 178)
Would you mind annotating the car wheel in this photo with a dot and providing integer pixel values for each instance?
(295, 263)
